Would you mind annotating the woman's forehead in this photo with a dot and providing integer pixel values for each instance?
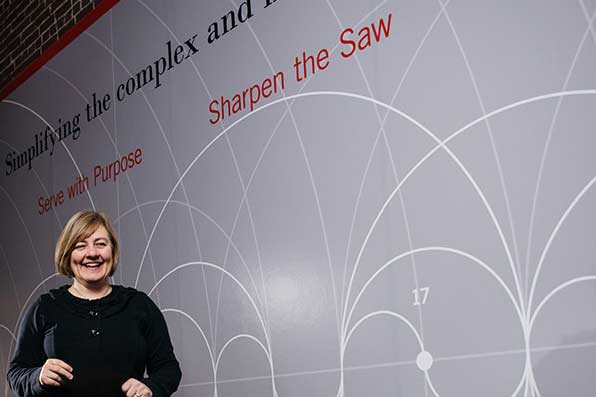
(98, 232)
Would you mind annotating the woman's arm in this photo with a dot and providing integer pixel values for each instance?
(163, 369)
(25, 367)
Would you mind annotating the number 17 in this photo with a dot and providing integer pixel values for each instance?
(418, 293)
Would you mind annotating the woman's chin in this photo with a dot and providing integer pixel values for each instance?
(93, 275)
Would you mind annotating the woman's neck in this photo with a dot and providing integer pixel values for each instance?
(90, 292)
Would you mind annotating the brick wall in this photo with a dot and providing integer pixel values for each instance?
(28, 27)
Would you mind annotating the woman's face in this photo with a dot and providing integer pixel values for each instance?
(91, 258)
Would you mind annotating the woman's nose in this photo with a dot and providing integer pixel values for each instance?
(92, 251)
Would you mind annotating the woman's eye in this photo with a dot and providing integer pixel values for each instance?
(101, 244)
(79, 246)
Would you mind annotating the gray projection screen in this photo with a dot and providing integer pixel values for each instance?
(326, 198)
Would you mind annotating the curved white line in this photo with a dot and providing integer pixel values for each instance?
(45, 280)
(43, 186)
(170, 152)
(227, 273)
(361, 188)
(543, 303)
(258, 342)
(10, 276)
(385, 313)
(441, 144)
(62, 142)
(302, 87)
(210, 219)
(393, 169)
(4, 327)
(364, 177)
(534, 385)
(527, 101)
(391, 314)
(239, 174)
(555, 291)
(524, 379)
(548, 140)
(430, 384)
(515, 272)
(438, 249)
(197, 326)
(230, 275)
(14, 205)
(242, 336)
(272, 103)
(332, 93)
(311, 179)
(553, 235)
(116, 151)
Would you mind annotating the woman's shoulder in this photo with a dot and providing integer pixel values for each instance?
(127, 291)
(46, 304)
(121, 292)
(55, 294)
(122, 289)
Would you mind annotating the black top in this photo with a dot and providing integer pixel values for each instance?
(106, 341)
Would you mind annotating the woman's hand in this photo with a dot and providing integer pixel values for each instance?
(135, 388)
(55, 372)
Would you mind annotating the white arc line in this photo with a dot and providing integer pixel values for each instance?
(4, 327)
(311, 179)
(237, 169)
(43, 186)
(555, 291)
(170, 152)
(14, 205)
(553, 235)
(544, 302)
(198, 327)
(440, 144)
(61, 141)
(333, 93)
(393, 170)
(114, 145)
(10, 276)
(258, 342)
(230, 275)
(221, 269)
(437, 249)
(210, 219)
(390, 314)
(31, 296)
(547, 144)
(495, 154)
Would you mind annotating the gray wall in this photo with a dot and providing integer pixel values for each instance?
(414, 220)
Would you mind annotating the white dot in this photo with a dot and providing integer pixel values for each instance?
(424, 361)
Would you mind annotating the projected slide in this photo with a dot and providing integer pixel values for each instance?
(325, 198)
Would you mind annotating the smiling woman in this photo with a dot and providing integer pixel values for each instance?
(92, 338)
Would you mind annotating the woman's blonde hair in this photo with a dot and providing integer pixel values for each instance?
(80, 226)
